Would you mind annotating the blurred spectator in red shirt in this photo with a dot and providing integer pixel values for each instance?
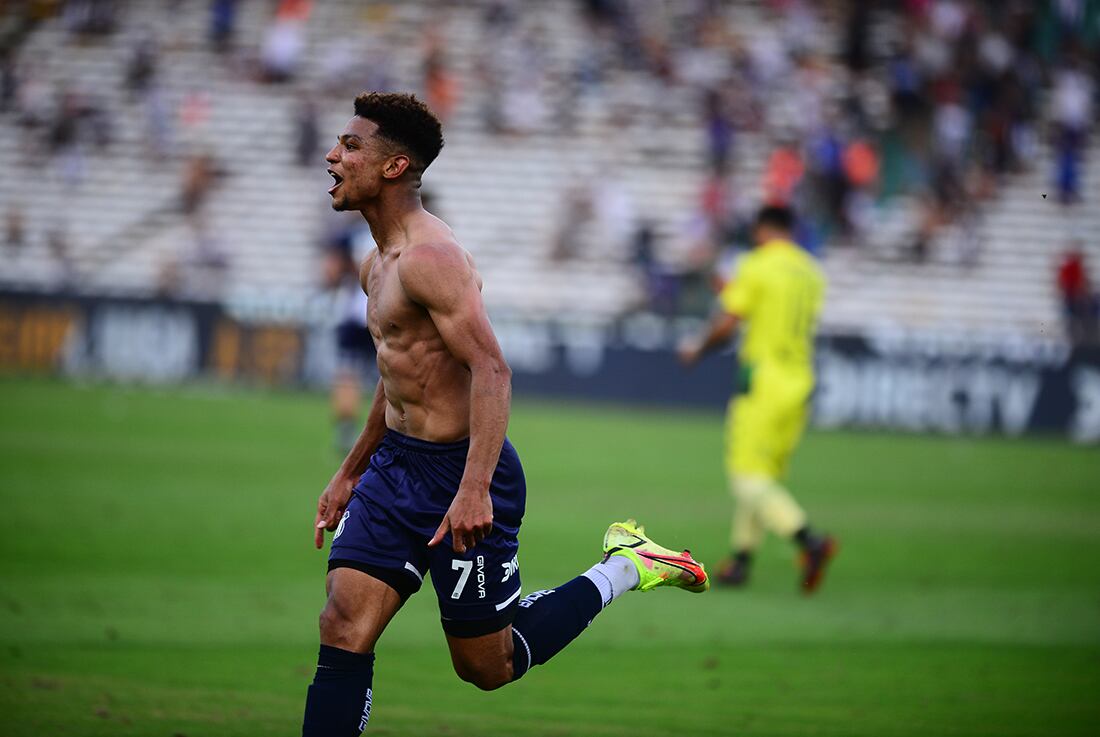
(860, 163)
(783, 173)
(1079, 304)
(861, 166)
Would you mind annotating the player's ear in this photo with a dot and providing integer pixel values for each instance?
(395, 166)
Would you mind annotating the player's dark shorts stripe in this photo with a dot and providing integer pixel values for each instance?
(398, 579)
(479, 627)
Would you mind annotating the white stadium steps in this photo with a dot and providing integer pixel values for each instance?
(503, 195)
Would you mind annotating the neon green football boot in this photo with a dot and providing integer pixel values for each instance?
(657, 566)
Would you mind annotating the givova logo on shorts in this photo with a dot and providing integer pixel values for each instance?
(366, 711)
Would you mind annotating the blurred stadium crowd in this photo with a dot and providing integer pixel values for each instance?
(603, 156)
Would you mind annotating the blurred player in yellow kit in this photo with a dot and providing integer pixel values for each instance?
(777, 293)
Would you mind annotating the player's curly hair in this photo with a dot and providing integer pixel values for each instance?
(404, 121)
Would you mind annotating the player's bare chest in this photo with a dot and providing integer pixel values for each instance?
(389, 308)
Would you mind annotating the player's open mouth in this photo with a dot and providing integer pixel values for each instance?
(337, 178)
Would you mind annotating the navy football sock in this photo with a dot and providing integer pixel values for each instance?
(339, 699)
(547, 621)
(805, 538)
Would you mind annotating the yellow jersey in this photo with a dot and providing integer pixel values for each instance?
(777, 290)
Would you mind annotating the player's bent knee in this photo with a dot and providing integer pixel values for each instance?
(485, 678)
(340, 629)
(484, 660)
(331, 623)
(485, 671)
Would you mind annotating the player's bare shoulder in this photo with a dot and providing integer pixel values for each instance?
(434, 265)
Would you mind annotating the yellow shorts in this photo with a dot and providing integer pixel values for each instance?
(763, 427)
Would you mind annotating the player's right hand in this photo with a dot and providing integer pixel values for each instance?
(330, 505)
(469, 520)
(688, 352)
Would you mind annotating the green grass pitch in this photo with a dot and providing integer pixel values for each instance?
(157, 578)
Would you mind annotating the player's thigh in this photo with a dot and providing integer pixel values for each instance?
(357, 610)
(375, 562)
(478, 593)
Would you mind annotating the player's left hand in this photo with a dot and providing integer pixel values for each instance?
(469, 520)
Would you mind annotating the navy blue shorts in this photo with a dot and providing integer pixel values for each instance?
(395, 510)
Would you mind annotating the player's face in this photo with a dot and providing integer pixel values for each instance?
(355, 163)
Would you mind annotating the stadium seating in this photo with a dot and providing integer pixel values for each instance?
(502, 194)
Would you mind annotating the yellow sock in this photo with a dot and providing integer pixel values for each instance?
(746, 532)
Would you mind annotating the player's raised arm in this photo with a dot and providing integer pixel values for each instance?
(735, 302)
(440, 278)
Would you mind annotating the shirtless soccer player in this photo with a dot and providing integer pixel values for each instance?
(432, 484)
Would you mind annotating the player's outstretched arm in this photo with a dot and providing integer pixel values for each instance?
(718, 332)
(334, 499)
(440, 278)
